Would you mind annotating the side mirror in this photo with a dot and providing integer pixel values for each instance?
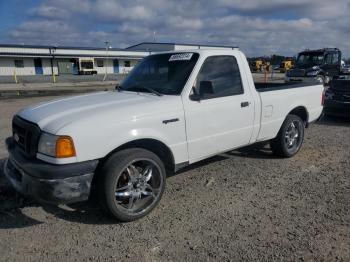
(206, 88)
(195, 97)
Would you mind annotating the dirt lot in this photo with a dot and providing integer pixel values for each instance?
(243, 205)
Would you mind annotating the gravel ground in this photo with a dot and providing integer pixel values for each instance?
(242, 205)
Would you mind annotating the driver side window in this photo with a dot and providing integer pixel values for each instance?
(223, 74)
(332, 59)
(328, 59)
(335, 59)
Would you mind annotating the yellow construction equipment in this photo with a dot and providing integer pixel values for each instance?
(256, 65)
(286, 65)
(259, 65)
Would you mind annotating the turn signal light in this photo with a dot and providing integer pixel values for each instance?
(64, 147)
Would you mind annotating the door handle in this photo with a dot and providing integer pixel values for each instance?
(245, 104)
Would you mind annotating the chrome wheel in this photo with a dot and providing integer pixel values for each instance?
(138, 186)
(292, 135)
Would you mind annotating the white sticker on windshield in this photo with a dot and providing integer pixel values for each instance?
(181, 57)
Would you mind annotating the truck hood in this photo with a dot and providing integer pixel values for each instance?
(54, 115)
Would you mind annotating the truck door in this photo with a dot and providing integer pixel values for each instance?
(332, 63)
(220, 120)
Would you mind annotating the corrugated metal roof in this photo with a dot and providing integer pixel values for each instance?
(50, 51)
(185, 44)
(103, 48)
(67, 51)
(70, 56)
(60, 47)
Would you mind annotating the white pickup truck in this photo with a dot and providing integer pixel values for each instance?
(174, 109)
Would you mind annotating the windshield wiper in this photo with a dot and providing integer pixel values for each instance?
(137, 87)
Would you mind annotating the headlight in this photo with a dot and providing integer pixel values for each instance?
(312, 73)
(56, 146)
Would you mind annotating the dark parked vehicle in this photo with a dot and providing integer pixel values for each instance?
(322, 65)
(346, 70)
(337, 97)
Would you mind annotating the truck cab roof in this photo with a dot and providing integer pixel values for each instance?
(323, 50)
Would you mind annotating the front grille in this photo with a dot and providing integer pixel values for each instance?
(296, 72)
(26, 135)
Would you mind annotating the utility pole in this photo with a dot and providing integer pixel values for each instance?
(107, 47)
(52, 53)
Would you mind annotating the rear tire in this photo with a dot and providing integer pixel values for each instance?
(290, 137)
(131, 183)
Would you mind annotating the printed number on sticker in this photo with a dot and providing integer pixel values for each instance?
(181, 57)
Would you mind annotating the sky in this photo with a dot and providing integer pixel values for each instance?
(258, 27)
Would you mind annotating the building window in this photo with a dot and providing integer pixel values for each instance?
(126, 63)
(99, 62)
(19, 64)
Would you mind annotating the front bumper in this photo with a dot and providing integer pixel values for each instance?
(46, 182)
(337, 108)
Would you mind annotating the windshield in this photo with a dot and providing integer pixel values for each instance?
(310, 59)
(164, 74)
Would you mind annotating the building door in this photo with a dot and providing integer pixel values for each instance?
(38, 66)
(116, 66)
(75, 69)
(65, 68)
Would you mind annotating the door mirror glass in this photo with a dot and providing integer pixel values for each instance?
(206, 88)
(195, 97)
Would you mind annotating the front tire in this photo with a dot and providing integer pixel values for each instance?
(131, 183)
(290, 137)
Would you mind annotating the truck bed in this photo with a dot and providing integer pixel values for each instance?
(279, 99)
(266, 87)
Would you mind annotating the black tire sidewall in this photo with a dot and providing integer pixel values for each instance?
(286, 124)
(110, 172)
(279, 145)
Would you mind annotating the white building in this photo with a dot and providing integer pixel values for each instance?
(42, 60)
(45, 60)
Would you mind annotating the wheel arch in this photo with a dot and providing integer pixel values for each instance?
(302, 112)
(155, 146)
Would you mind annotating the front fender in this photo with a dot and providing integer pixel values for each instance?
(99, 140)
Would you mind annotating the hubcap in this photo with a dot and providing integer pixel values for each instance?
(292, 136)
(138, 186)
